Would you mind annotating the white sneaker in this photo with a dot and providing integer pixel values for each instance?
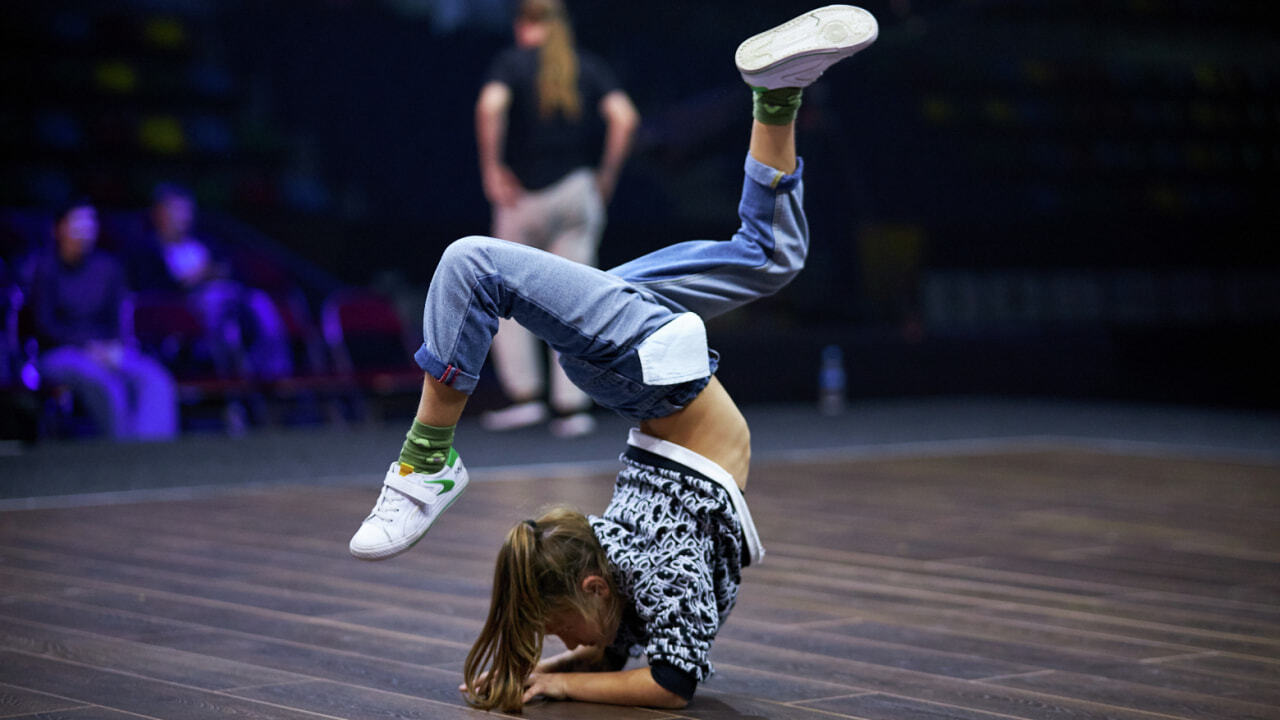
(573, 426)
(796, 52)
(409, 503)
(515, 416)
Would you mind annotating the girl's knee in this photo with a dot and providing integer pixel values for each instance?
(467, 259)
(465, 251)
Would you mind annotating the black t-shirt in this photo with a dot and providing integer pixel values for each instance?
(541, 150)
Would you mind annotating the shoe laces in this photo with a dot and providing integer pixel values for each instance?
(390, 503)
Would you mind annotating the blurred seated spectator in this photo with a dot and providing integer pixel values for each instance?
(246, 335)
(76, 295)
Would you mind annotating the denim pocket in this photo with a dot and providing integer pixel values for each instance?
(616, 391)
(629, 397)
(605, 385)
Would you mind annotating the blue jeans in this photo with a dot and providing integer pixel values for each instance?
(632, 337)
(131, 398)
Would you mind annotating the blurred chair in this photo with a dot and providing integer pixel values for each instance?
(369, 345)
(163, 325)
(11, 300)
(19, 405)
(306, 342)
(313, 391)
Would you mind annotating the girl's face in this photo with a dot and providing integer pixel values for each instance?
(573, 629)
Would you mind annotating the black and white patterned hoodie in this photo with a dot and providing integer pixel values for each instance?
(678, 533)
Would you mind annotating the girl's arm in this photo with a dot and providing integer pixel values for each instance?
(627, 687)
(584, 658)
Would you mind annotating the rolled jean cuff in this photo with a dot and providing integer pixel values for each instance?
(445, 373)
(773, 178)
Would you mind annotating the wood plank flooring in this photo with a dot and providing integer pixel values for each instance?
(1029, 583)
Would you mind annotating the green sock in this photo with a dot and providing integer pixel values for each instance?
(426, 447)
(777, 106)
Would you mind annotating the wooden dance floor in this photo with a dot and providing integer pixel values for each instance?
(1015, 582)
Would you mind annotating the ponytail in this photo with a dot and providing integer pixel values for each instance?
(511, 641)
(557, 60)
(538, 571)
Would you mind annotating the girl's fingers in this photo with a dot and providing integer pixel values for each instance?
(533, 688)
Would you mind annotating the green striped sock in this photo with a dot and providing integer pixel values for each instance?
(775, 107)
(426, 447)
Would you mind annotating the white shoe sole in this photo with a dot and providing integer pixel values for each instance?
(796, 52)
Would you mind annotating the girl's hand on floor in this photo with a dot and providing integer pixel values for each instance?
(548, 685)
(462, 686)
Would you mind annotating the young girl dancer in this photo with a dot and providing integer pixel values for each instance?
(659, 572)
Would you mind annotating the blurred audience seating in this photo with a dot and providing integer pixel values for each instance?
(370, 347)
(349, 346)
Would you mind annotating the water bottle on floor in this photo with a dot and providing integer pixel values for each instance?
(831, 381)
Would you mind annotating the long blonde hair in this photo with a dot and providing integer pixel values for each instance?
(539, 571)
(557, 61)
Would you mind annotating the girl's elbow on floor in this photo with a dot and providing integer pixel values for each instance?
(670, 701)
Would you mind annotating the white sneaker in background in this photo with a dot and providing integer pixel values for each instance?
(573, 426)
(515, 416)
(796, 52)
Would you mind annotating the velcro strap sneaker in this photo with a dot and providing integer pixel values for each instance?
(408, 505)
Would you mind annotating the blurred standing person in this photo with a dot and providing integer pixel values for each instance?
(540, 119)
(77, 292)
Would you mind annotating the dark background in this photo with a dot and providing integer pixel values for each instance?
(1069, 198)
